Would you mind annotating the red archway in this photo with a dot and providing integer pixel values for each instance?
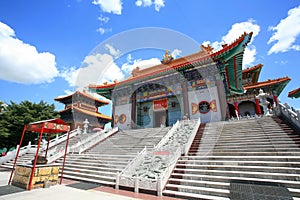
(51, 126)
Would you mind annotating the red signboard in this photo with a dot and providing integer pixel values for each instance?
(160, 104)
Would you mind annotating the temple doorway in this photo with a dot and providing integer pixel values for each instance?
(247, 108)
(160, 118)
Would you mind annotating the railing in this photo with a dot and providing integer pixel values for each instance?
(159, 164)
(290, 115)
(167, 136)
(62, 138)
(11, 155)
(91, 141)
(151, 169)
(192, 137)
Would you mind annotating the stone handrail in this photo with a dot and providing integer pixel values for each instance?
(91, 141)
(11, 155)
(132, 163)
(192, 137)
(167, 136)
(150, 169)
(62, 138)
(162, 181)
(289, 114)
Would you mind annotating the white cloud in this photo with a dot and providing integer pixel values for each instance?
(110, 6)
(103, 30)
(114, 52)
(142, 64)
(158, 4)
(175, 53)
(96, 69)
(286, 33)
(21, 62)
(103, 19)
(235, 32)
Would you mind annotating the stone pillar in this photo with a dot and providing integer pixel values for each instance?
(185, 97)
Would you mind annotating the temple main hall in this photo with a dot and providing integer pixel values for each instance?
(210, 85)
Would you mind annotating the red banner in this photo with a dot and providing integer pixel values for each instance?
(160, 104)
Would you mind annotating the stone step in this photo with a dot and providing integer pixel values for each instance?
(229, 167)
(184, 195)
(241, 163)
(199, 190)
(107, 168)
(221, 178)
(251, 174)
(243, 158)
(239, 153)
(91, 180)
(99, 164)
(82, 176)
(89, 171)
(210, 147)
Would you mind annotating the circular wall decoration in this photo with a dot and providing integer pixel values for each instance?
(122, 119)
(204, 107)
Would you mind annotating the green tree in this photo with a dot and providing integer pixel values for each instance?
(14, 118)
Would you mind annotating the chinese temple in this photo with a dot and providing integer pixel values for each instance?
(80, 106)
(247, 104)
(208, 85)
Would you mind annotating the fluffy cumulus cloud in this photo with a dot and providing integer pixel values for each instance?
(142, 64)
(235, 32)
(286, 33)
(21, 62)
(96, 69)
(110, 6)
(175, 53)
(112, 51)
(158, 4)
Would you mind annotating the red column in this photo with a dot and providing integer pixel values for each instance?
(257, 107)
(236, 106)
(18, 151)
(275, 99)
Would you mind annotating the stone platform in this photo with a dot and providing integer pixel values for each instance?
(45, 175)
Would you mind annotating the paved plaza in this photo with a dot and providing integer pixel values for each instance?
(69, 190)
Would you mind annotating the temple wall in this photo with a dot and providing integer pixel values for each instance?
(208, 100)
(122, 116)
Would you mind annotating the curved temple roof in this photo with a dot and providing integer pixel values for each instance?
(277, 85)
(83, 94)
(294, 93)
(231, 54)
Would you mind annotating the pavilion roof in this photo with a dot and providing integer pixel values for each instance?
(254, 71)
(294, 93)
(276, 84)
(49, 126)
(66, 98)
(200, 58)
(86, 112)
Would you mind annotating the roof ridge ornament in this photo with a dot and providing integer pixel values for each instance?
(208, 49)
(167, 58)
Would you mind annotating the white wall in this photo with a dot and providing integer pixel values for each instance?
(126, 110)
(209, 94)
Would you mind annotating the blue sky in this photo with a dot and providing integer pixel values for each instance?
(46, 45)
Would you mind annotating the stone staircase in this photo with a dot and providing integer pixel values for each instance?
(29, 156)
(101, 163)
(258, 150)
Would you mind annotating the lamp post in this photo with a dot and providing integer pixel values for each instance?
(85, 126)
